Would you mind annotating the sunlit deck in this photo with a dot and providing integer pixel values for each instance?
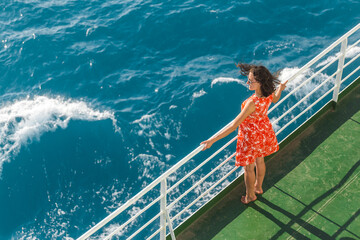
(312, 187)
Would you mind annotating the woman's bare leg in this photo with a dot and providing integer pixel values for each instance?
(260, 174)
(249, 182)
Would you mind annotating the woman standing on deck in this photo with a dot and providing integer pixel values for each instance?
(256, 137)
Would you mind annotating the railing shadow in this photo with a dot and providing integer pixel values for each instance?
(312, 137)
(278, 166)
(308, 208)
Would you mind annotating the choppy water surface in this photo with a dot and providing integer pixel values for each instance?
(98, 98)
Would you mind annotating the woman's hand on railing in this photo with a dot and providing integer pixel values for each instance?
(277, 93)
(282, 86)
(207, 144)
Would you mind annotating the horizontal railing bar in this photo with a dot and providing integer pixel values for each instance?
(140, 194)
(200, 181)
(200, 165)
(154, 234)
(300, 114)
(317, 58)
(304, 98)
(139, 213)
(241, 172)
(351, 61)
(309, 94)
(145, 225)
(304, 123)
(206, 192)
(314, 75)
(323, 53)
(198, 149)
(145, 190)
(349, 75)
(346, 50)
(302, 84)
(353, 45)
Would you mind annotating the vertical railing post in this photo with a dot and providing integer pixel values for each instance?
(163, 209)
(170, 226)
(340, 70)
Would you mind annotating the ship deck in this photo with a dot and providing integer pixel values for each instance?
(311, 190)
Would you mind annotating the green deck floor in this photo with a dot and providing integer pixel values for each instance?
(319, 199)
(312, 187)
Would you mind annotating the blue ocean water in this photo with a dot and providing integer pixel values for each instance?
(98, 98)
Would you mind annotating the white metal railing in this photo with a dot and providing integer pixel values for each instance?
(165, 207)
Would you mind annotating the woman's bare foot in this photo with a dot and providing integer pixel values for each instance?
(246, 200)
(258, 190)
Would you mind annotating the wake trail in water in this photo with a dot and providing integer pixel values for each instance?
(221, 80)
(25, 120)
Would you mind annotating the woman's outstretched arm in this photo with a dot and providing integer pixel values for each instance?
(248, 109)
(277, 93)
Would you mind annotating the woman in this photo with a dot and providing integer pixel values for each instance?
(256, 137)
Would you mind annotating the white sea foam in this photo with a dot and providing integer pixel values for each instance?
(199, 94)
(275, 126)
(25, 120)
(153, 124)
(145, 123)
(245, 19)
(144, 119)
(110, 229)
(149, 163)
(352, 52)
(286, 73)
(57, 221)
(301, 92)
(90, 30)
(227, 80)
(198, 190)
(349, 54)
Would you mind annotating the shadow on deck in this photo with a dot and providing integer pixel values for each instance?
(311, 187)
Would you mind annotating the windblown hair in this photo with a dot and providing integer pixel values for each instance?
(262, 75)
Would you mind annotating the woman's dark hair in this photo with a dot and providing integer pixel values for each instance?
(262, 75)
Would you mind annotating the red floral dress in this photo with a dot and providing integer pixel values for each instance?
(256, 137)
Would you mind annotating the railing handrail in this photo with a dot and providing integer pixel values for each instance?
(323, 53)
(144, 191)
(199, 148)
